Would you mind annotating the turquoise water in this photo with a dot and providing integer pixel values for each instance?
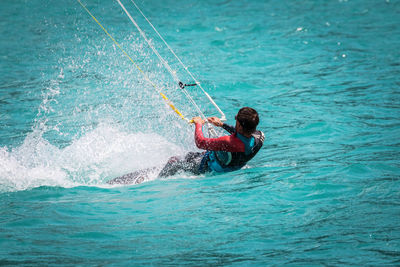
(74, 113)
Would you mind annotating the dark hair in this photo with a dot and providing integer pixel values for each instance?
(248, 118)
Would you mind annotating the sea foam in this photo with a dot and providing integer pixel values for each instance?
(93, 159)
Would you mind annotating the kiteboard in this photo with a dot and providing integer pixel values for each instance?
(135, 177)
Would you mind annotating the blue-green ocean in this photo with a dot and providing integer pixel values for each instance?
(75, 113)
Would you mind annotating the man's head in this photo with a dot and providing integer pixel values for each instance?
(247, 118)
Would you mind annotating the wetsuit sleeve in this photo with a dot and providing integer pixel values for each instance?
(228, 143)
(230, 129)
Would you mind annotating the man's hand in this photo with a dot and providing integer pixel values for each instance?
(198, 120)
(216, 121)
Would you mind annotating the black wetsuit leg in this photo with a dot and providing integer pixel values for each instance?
(190, 163)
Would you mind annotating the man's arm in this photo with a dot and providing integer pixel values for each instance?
(225, 143)
(217, 122)
(230, 129)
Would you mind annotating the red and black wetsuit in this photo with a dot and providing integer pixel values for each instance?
(228, 153)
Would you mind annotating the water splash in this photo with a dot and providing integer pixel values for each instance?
(96, 157)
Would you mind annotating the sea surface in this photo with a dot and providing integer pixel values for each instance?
(75, 113)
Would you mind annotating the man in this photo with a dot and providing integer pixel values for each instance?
(226, 153)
